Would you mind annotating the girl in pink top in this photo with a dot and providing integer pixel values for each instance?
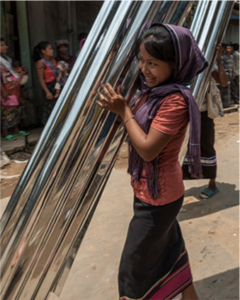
(154, 263)
(46, 67)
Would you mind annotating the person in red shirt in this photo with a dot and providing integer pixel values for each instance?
(11, 80)
(154, 263)
(46, 67)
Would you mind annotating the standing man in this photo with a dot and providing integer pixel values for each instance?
(228, 64)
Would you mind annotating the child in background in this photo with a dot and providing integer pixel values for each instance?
(62, 68)
(21, 76)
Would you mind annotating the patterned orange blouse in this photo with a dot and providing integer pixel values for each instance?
(172, 118)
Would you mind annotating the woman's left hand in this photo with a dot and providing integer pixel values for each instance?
(112, 100)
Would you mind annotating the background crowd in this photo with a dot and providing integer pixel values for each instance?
(53, 72)
(52, 75)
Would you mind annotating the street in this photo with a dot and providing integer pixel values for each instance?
(210, 227)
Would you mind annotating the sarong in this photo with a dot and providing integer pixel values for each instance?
(226, 93)
(12, 115)
(154, 263)
(208, 153)
(235, 90)
(48, 104)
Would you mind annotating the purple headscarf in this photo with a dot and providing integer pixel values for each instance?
(189, 63)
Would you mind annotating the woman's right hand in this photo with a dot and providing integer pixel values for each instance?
(49, 96)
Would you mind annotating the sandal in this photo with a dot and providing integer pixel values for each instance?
(208, 193)
(22, 133)
(9, 137)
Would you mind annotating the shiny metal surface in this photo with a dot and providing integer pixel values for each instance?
(185, 13)
(214, 28)
(48, 214)
(201, 14)
(53, 203)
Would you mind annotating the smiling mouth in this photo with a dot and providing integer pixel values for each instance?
(149, 79)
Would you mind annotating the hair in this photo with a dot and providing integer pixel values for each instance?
(158, 43)
(63, 44)
(37, 50)
(82, 35)
(235, 46)
(16, 64)
(2, 39)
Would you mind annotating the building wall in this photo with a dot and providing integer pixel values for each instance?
(53, 20)
(232, 33)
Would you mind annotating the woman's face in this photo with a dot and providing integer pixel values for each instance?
(48, 51)
(63, 49)
(156, 71)
(4, 47)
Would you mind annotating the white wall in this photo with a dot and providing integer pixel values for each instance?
(232, 33)
(53, 20)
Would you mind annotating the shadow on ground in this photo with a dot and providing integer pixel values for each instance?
(227, 197)
(222, 286)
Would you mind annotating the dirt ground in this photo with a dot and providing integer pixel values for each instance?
(210, 228)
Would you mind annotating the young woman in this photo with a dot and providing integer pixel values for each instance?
(10, 85)
(154, 263)
(47, 75)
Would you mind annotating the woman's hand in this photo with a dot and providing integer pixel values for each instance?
(112, 100)
(49, 96)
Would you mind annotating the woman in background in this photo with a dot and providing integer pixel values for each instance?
(46, 67)
(10, 86)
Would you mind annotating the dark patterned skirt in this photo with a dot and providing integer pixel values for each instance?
(235, 89)
(48, 105)
(208, 153)
(154, 263)
(12, 115)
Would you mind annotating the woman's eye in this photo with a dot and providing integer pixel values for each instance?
(152, 64)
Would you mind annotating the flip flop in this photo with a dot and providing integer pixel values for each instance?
(208, 193)
(22, 133)
(9, 137)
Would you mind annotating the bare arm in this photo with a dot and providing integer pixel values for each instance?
(20, 77)
(148, 146)
(220, 75)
